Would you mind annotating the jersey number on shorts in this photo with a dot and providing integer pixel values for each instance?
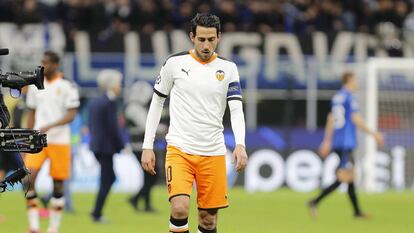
(169, 174)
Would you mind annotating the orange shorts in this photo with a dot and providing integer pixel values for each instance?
(208, 172)
(59, 156)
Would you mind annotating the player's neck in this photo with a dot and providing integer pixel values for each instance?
(54, 76)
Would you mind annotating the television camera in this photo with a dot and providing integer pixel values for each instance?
(20, 140)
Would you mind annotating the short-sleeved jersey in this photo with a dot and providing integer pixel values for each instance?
(199, 92)
(343, 105)
(51, 105)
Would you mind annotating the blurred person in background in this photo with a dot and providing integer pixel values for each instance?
(341, 138)
(146, 17)
(201, 84)
(266, 16)
(50, 111)
(106, 139)
(7, 159)
(15, 106)
(11, 161)
(75, 128)
(230, 16)
(136, 114)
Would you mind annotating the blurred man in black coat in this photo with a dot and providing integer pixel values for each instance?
(106, 139)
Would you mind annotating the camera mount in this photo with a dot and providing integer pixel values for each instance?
(20, 140)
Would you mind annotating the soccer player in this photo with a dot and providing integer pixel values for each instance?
(340, 137)
(199, 83)
(51, 111)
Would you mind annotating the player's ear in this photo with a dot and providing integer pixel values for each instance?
(192, 36)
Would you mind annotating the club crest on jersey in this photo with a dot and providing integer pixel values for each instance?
(220, 75)
(158, 80)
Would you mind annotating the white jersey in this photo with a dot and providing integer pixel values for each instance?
(51, 105)
(198, 97)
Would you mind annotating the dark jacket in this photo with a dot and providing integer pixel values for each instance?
(103, 125)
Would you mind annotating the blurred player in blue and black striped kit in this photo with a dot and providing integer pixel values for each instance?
(340, 137)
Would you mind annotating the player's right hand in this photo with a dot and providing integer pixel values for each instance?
(148, 161)
(325, 148)
(379, 139)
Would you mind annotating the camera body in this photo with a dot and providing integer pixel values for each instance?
(21, 140)
(20, 79)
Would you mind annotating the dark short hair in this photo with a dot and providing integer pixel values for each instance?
(54, 57)
(205, 20)
(346, 76)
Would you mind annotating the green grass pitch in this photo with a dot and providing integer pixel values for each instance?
(280, 211)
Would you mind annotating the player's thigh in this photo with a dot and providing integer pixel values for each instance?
(60, 161)
(345, 175)
(345, 170)
(179, 172)
(35, 161)
(211, 183)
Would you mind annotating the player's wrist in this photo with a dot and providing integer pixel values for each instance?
(241, 145)
(147, 144)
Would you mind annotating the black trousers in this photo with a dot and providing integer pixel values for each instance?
(145, 191)
(106, 181)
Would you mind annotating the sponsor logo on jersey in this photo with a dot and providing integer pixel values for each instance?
(220, 75)
(186, 72)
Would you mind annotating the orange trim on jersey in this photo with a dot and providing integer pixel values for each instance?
(55, 77)
(212, 58)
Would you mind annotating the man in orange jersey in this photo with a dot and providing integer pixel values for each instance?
(51, 111)
(200, 85)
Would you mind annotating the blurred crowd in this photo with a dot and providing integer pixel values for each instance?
(295, 16)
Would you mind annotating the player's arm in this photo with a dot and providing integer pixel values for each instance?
(67, 118)
(162, 88)
(239, 130)
(31, 105)
(153, 119)
(326, 145)
(234, 99)
(360, 123)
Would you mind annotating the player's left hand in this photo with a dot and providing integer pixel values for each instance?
(240, 157)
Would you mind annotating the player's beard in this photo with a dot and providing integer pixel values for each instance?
(205, 55)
